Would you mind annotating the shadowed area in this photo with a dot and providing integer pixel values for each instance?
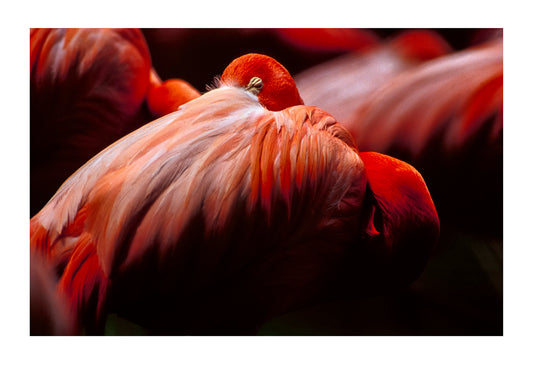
(459, 293)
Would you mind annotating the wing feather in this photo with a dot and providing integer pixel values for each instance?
(212, 179)
(420, 104)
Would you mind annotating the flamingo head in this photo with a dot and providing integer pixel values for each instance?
(264, 77)
(403, 227)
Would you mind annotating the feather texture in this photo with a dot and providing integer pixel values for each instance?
(87, 87)
(189, 185)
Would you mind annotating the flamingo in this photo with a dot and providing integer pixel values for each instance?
(242, 204)
(88, 88)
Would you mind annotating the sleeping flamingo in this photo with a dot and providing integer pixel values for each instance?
(88, 88)
(241, 205)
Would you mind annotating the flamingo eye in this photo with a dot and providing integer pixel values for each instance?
(255, 85)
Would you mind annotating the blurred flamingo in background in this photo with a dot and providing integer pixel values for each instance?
(440, 111)
(390, 102)
(343, 85)
(88, 87)
(241, 205)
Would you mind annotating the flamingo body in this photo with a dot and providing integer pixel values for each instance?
(196, 175)
(452, 95)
